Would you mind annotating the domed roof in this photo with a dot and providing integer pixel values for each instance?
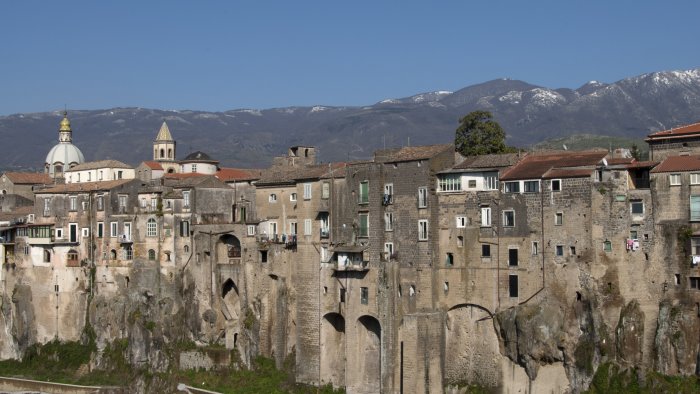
(198, 157)
(65, 153)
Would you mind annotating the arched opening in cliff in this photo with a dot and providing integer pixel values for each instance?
(333, 349)
(228, 247)
(232, 304)
(471, 353)
(367, 372)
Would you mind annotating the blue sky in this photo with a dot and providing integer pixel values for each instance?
(210, 55)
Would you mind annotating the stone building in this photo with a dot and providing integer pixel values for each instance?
(682, 140)
(63, 155)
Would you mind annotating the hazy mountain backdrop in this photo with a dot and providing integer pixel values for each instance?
(630, 108)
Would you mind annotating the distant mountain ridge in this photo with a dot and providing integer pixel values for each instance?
(632, 107)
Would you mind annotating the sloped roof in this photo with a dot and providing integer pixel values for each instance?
(536, 165)
(287, 175)
(194, 180)
(238, 174)
(489, 161)
(678, 164)
(410, 153)
(153, 165)
(677, 132)
(84, 187)
(92, 165)
(198, 157)
(164, 133)
(29, 178)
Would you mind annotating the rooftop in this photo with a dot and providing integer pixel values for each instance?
(410, 153)
(489, 161)
(153, 165)
(84, 187)
(92, 165)
(681, 131)
(29, 178)
(164, 133)
(199, 157)
(238, 174)
(287, 175)
(678, 163)
(538, 164)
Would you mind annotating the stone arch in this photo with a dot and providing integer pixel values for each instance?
(162, 153)
(368, 370)
(171, 171)
(231, 300)
(474, 355)
(333, 349)
(228, 247)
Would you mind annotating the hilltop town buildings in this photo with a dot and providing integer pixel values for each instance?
(402, 273)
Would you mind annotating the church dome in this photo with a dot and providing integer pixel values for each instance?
(64, 155)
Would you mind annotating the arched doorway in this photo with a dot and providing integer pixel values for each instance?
(473, 355)
(368, 372)
(228, 247)
(333, 349)
(231, 309)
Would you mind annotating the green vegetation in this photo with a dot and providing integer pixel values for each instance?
(479, 134)
(610, 378)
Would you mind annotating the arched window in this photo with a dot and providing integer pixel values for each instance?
(58, 169)
(170, 153)
(128, 253)
(151, 254)
(47, 256)
(113, 254)
(162, 153)
(186, 249)
(151, 229)
(155, 153)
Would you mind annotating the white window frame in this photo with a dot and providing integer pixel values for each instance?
(423, 197)
(186, 199)
(485, 216)
(559, 218)
(536, 183)
(695, 178)
(307, 191)
(634, 202)
(272, 198)
(505, 224)
(535, 248)
(511, 187)
(151, 228)
(85, 232)
(293, 197)
(308, 227)
(143, 202)
(449, 182)
(59, 233)
(674, 179)
(389, 190)
(113, 229)
(73, 203)
(461, 221)
(251, 230)
(293, 228)
(388, 249)
(551, 185)
(423, 230)
(388, 221)
(100, 229)
(491, 181)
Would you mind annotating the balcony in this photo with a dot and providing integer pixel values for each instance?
(125, 239)
(350, 258)
(291, 242)
(358, 266)
(694, 261)
(40, 240)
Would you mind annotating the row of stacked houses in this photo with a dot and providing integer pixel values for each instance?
(384, 275)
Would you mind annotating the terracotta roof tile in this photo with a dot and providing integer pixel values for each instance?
(29, 178)
(567, 173)
(676, 132)
(678, 163)
(286, 175)
(84, 187)
(410, 153)
(238, 174)
(99, 164)
(536, 165)
(154, 165)
(489, 161)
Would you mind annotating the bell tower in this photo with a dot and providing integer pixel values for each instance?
(164, 149)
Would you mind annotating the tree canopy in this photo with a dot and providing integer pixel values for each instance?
(479, 134)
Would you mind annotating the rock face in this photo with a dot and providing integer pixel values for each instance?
(630, 334)
(677, 339)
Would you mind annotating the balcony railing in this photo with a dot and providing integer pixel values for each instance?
(125, 239)
(352, 266)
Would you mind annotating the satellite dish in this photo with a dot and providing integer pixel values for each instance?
(564, 146)
(605, 162)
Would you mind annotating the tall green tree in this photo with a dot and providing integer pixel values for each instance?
(479, 134)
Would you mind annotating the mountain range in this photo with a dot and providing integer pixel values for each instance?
(630, 108)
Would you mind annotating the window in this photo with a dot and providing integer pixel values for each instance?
(307, 191)
(364, 225)
(461, 221)
(128, 253)
(263, 256)
(694, 208)
(154, 204)
(460, 241)
(325, 190)
(73, 203)
(151, 228)
(194, 168)
(251, 230)
(471, 184)
(607, 246)
(388, 197)
(509, 218)
(144, 204)
(422, 230)
(485, 250)
(272, 226)
(485, 217)
(364, 295)
(59, 233)
(122, 204)
(388, 221)
(47, 206)
(572, 250)
(307, 227)
(100, 203)
(100, 229)
(113, 229)
(99, 176)
(446, 287)
(292, 197)
(637, 207)
(113, 254)
(85, 232)
(491, 181)
(513, 286)
(633, 234)
(695, 178)
(450, 260)
(535, 248)
(511, 187)
(272, 198)
(119, 174)
(293, 228)
(388, 250)
(72, 257)
(186, 249)
(556, 185)
(364, 192)
(184, 228)
(73, 232)
(512, 257)
(560, 250)
(694, 282)
(532, 186)
(674, 179)
(450, 182)
(151, 254)
(342, 294)
(558, 219)
(677, 279)
(422, 197)
(695, 246)
(186, 199)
